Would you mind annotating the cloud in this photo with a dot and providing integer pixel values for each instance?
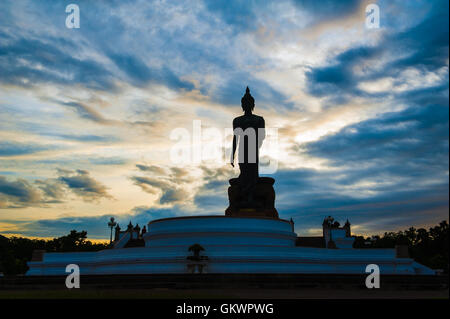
(212, 196)
(426, 43)
(170, 191)
(340, 78)
(27, 62)
(140, 74)
(374, 204)
(171, 196)
(8, 148)
(414, 140)
(86, 112)
(88, 138)
(180, 185)
(53, 189)
(328, 9)
(83, 59)
(240, 14)
(184, 43)
(152, 169)
(217, 173)
(421, 50)
(382, 172)
(82, 184)
(145, 182)
(18, 193)
(179, 174)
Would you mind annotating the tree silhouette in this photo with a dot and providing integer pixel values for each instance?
(16, 251)
(429, 248)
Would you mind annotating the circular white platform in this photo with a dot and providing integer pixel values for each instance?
(232, 245)
(219, 230)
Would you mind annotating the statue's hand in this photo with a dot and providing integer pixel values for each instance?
(232, 164)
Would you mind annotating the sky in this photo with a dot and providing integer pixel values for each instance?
(87, 114)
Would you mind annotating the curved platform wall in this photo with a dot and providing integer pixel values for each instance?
(219, 230)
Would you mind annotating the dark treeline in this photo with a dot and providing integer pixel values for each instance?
(428, 247)
(16, 251)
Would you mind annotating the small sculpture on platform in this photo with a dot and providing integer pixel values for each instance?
(197, 263)
(130, 227)
(336, 236)
(195, 249)
(249, 194)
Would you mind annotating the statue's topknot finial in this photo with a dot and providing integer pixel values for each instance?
(247, 101)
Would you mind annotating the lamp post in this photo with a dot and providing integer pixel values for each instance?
(111, 224)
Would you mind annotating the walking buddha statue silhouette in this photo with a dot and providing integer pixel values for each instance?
(250, 194)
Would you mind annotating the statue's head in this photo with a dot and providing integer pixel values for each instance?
(247, 101)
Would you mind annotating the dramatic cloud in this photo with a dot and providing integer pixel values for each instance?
(22, 193)
(169, 183)
(400, 61)
(415, 136)
(82, 184)
(52, 188)
(145, 182)
(18, 193)
(28, 62)
(393, 168)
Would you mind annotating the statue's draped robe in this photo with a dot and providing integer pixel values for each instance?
(249, 160)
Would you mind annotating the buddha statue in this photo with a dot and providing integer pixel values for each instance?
(249, 194)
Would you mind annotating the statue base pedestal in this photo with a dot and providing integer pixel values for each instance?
(251, 212)
(262, 202)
